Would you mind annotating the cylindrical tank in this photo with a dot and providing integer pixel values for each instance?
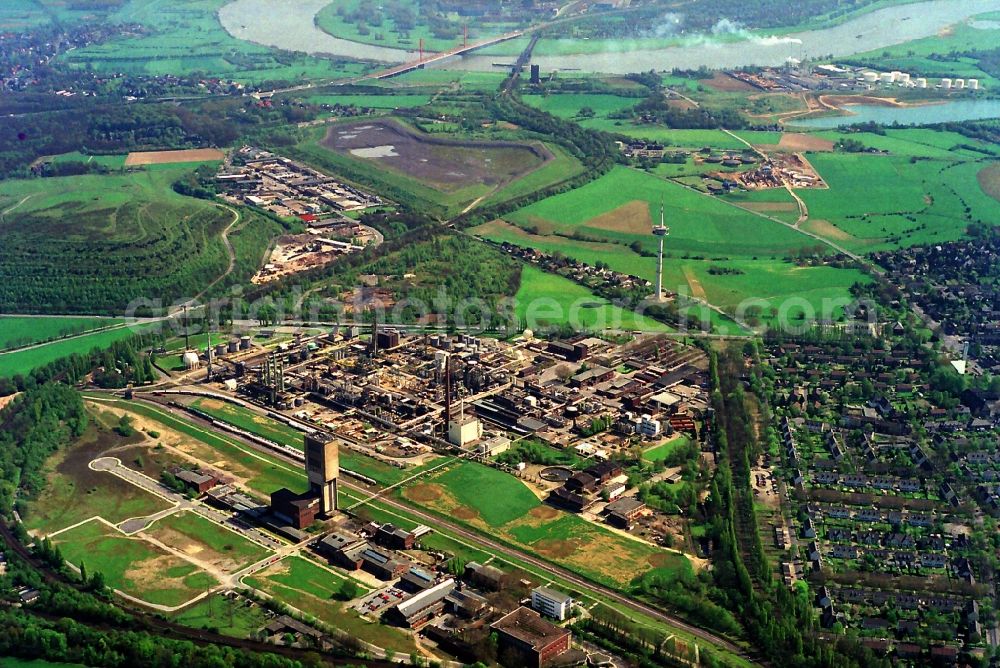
(220, 349)
(887, 78)
(233, 345)
(946, 83)
(190, 360)
(870, 77)
(244, 343)
(922, 82)
(903, 77)
(959, 83)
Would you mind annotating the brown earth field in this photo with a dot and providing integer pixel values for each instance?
(631, 218)
(794, 142)
(727, 84)
(169, 157)
(989, 180)
(445, 164)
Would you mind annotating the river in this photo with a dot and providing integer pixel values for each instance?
(289, 25)
(956, 110)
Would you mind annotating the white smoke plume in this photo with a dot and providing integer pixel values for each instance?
(728, 27)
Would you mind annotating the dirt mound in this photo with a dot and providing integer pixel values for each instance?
(464, 513)
(544, 513)
(556, 549)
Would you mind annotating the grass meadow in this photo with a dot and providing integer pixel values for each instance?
(133, 565)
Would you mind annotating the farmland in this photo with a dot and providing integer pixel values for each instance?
(24, 361)
(716, 252)
(133, 565)
(186, 38)
(545, 299)
(94, 243)
(513, 513)
(17, 331)
(917, 194)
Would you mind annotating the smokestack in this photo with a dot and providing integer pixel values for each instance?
(447, 393)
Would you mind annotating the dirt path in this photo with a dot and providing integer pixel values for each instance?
(15, 206)
(803, 209)
(697, 290)
(229, 251)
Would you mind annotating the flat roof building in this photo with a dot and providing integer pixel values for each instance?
(525, 639)
(551, 603)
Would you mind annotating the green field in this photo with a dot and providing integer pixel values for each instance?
(133, 565)
(187, 39)
(716, 252)
(916, 195)
(568, 105)
(130, 236)
(18, 331)
(513, 513)
(660, 452)
(23, 361)
(237, 616)
(545, 300)
(206, 541)
(358, 21)
(312, 589)
(373, 101)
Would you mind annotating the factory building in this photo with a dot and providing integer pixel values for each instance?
(464, 429)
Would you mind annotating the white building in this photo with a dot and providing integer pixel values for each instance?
(464, 430)
(494, 446)
(551, 603)
(649, 427)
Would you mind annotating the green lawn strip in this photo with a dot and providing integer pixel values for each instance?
(124, 562)
(24, 361)
(232, 616)
(17, 331)
(218, 539)
(660, 452)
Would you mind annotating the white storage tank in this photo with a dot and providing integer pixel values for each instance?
(959, 83)
(870, 77)
(973, 84)
(190, 360)
(887, 77)
(946, 83)
(922, 82)
(902, 77)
